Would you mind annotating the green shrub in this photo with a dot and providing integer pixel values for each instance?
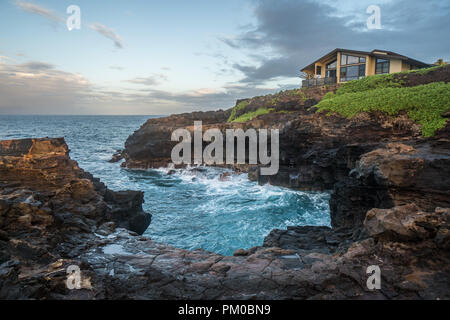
(240, 106)
(424, 104)
(393, 80)
(369, 83)
(251, 115)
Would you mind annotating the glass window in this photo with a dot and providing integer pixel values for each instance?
(346, 60)
(353, 72)
(382, 66)
(352, 60)
(362, 70)
(332, 65)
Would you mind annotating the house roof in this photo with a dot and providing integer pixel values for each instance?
(384, 54)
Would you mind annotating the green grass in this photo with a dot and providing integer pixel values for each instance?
(424, 104)
(240, 106)
(393, 80)
(251, 115)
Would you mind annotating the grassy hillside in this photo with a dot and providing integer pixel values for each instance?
(425, 104)
(251, 115)
(423, 94)
(281, 102)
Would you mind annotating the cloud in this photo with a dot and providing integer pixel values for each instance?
(295, 33)
(39, 88)
(35, 66)
(116, 68)
(108, 33)
(39, 10)
(152, 80)
(5, 58)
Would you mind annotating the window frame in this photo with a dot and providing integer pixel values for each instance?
(345, 57)
(361, 64)
(385, 64)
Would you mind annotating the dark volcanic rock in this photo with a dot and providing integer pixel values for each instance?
(409, 223)
(395, 174)
(54, 215)
(116, 157)
(389, 198)
(151, 145)
(38, 177)
(389, 207)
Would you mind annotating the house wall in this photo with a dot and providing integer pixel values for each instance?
(323, 66)
(309, 72)
(370, 65)
(395, 66)
(405, 66)
(338, 69)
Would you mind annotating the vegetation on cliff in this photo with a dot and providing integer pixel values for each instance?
(251, 115)
(425, 104)
(379, 81)
(423, 94)
(240, 106)
(247, 110)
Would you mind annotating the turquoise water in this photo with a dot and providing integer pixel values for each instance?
(192, 208)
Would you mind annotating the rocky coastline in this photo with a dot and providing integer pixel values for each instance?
(390, 207)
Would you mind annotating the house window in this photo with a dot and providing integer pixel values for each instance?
(319, 70)
(332, 65)
(346, 60)
(382, 66)
(352, 67)
(353, 72)
(331, 69)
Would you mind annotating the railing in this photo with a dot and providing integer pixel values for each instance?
(317, 82)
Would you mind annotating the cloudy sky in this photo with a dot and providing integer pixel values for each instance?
(162, 57)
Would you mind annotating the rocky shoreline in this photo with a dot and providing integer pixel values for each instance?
(54, 215)
(390, 207)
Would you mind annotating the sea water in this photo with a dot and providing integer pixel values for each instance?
(191, 208)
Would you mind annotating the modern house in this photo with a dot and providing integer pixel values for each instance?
(342, 65)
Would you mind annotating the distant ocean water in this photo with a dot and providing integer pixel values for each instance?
(190, 209)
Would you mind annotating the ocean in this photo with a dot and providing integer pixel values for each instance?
(190, 209)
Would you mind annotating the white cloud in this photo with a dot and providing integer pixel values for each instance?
(39, 10)
(152, 80)
(37, 87)
(108, 33)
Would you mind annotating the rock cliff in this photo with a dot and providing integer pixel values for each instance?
(54, 216)
(389, 204)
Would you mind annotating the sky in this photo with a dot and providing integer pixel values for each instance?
(155, 57)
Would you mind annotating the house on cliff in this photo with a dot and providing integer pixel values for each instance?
(341, 65)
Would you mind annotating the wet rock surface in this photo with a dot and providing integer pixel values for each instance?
(54, 215)
(390, 194)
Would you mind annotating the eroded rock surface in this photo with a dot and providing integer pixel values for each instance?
(54, 215)
(390, 194)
